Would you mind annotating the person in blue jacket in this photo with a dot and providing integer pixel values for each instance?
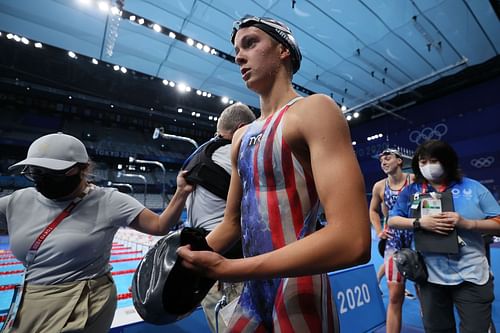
(464, 279)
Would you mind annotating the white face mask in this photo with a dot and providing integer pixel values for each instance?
(432, 171)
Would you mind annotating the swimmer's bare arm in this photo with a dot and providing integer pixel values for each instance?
(322, 131)
(375, 204)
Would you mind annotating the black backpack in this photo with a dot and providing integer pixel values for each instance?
(202, 170)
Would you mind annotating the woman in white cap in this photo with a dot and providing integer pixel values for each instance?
(62, 230)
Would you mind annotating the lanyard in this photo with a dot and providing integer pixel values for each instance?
(425, 187)
(440, 188)
(30, 257)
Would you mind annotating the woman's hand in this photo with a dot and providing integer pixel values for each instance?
(459, 221)
(182, 184)
(454, 218)
(442, 223)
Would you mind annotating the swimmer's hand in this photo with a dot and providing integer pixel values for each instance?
(207, 263)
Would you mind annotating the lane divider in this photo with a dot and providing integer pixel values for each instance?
(113, 253)
(7, 287)
(126, 252)
(12, 286)
(124, 296)
(127, 271)
(18, 271)
(124, 259)
(10, 263)
(7, 256)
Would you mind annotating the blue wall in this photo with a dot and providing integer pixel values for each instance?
(469, 120)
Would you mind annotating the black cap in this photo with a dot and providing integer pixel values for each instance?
(164, 291)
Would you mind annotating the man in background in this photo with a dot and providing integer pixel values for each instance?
(206, 174)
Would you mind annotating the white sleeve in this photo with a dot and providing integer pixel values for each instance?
(123, 208)
(3, 212)
(222, 157)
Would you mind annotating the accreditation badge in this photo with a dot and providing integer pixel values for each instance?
(431, 205)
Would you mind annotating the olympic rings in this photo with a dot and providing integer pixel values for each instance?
(428, 133)
(482, 162)
(467, 192)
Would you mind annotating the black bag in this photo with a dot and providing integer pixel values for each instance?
(202, 170)
(163, 291)
(411, 265)
(381, 246)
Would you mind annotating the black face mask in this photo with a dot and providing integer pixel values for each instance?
(57, 187)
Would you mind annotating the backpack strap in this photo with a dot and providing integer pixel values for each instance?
(202, 170)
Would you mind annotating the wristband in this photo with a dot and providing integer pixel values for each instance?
(416, 224)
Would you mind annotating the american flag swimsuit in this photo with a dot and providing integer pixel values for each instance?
(401, 238)
(279, 206)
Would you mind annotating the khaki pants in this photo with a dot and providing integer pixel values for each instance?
(231, 290)
(83, 306)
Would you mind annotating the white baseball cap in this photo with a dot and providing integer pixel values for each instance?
(56, 151)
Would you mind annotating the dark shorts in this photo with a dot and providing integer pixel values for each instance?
(473, 303)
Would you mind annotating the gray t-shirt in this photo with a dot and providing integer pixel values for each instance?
(205, 209)
(79, 248)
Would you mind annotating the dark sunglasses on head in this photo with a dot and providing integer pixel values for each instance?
(249, 20)
(34, 173)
